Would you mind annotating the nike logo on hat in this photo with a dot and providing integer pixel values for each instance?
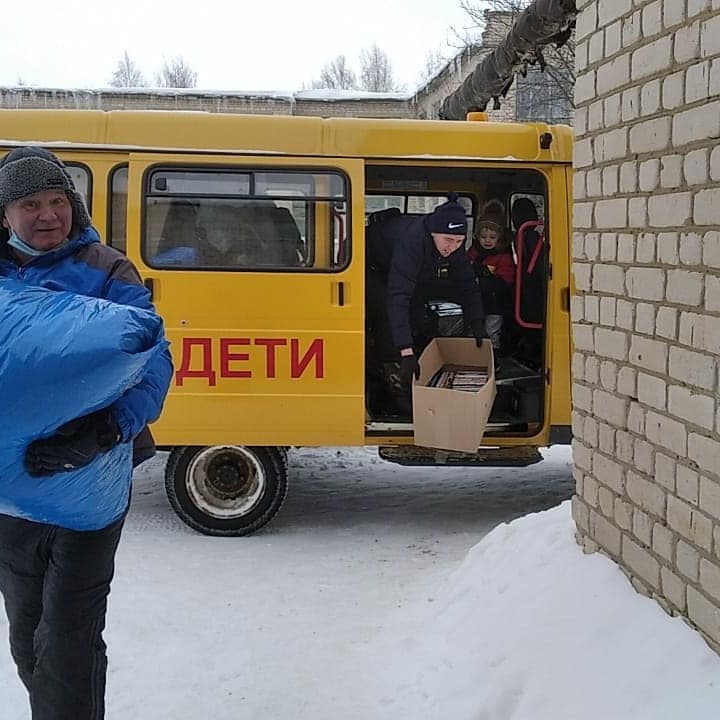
(452, 226)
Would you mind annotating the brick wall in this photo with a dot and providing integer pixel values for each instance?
(646, 313)
(300, 103)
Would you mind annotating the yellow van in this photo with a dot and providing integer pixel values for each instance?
(249, 231)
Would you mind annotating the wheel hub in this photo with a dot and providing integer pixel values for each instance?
(225, 481)
(227, 477)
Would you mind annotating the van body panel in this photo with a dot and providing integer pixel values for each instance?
(558, 310)
(276, 357)
(286, 135)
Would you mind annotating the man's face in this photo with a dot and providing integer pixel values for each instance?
(42, 221)
(447, 244)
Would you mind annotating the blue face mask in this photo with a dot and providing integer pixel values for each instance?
(23, 247)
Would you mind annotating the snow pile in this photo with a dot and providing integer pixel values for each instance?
(530, 628)
(360, 601)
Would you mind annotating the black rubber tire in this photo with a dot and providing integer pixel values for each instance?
(272, 463)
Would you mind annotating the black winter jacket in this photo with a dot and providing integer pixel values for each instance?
(402, 249)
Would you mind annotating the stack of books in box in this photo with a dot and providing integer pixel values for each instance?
(467, 378)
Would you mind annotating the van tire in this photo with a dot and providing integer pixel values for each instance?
(226, 490)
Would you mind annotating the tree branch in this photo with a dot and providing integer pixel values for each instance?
(542, 23)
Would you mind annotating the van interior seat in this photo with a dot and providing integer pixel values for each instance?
(250, 234)
(533, 278)
(178, 227)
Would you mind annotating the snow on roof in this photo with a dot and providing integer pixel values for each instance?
(335, 95)
(325, 95)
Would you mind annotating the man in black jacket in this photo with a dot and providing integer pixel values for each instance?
(407, 255)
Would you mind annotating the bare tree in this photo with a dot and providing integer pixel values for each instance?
(176, 73)
(127, 73)
(434, 62)
(536, 28)
(376, 73)
(336, 75)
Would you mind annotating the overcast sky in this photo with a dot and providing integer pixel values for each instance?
(241, 45)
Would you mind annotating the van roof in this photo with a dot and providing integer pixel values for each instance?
(206, 132)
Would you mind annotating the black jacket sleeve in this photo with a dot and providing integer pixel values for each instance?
(462, 274)
(405, 268)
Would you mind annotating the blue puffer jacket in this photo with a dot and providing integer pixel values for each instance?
(95, 340)
(87, 267)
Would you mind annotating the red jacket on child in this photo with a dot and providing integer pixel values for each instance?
(501, 264)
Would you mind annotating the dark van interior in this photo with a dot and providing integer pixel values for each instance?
(520, 360)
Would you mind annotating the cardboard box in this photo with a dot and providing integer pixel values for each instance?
(450, 419)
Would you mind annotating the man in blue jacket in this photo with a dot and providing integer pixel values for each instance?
(54, 579)
(408, 257)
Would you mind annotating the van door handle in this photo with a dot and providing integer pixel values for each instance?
(338, 294)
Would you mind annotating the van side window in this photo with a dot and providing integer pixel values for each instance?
(117, 221)
(416, 204)
(245, 219)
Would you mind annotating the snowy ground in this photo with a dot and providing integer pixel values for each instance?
(384, 592)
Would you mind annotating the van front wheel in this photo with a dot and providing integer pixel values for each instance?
(226, 490)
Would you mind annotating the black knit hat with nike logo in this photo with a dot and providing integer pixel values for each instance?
(448, 218)
(28, 170)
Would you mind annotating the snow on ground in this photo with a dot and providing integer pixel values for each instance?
(530, 629)
(377, 592)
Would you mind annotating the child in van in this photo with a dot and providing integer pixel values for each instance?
(494, 266)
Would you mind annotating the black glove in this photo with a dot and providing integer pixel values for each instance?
(409, 368)
(479, 332)
(74, 445)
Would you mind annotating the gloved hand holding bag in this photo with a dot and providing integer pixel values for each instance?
(74, 445)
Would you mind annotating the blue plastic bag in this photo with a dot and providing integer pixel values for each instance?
(62, 356)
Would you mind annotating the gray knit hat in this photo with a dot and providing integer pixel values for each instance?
(28, 170)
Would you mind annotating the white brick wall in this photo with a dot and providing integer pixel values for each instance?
(646, 317)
